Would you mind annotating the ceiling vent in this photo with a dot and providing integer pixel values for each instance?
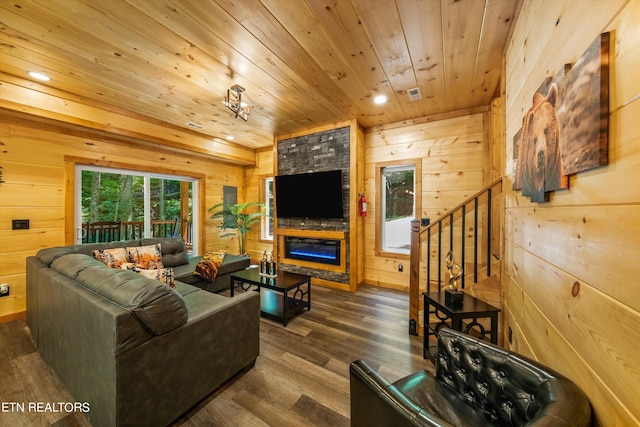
(414, 94)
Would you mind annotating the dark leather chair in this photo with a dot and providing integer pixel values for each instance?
(475, 384)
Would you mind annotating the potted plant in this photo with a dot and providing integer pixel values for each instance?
(235, 217)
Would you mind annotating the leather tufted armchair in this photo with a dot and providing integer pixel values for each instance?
(475, 384)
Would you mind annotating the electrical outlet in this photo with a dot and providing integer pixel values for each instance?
(4, 290)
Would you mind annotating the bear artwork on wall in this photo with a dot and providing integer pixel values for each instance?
(566, 129)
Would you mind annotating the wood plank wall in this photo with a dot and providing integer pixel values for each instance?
(254, 177)
(32, 156)
(456, 161)
(573, 263)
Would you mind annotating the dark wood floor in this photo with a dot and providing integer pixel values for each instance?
(301, 377)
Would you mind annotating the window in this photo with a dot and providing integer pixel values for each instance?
(117, 204)
(266, 227)
(397, 207)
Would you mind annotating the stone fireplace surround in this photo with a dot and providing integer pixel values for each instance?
(322, 151)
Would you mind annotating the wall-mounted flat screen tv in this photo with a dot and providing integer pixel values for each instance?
(309, 195)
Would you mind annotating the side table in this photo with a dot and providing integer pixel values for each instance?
(453, 315)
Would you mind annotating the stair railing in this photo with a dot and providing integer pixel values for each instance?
(485, 238)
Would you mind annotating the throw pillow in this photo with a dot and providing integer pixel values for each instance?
(165, 275)
(113, 258)
(146, 257)
(209, 265)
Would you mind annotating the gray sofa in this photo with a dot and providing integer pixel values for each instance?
(135, 350)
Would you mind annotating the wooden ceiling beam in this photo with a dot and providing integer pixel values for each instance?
(131, 127)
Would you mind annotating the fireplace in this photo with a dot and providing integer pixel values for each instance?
(322, 251)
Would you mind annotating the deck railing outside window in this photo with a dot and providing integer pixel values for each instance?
(109, 231)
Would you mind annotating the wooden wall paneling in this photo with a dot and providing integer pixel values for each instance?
(599, 246)
(40, 160)
(23, 99)
(487, 149)
(624, 86)
(453, 155)
(528, 51)
(571, 263)
(356, 226)
(589, 337)
(13, 263)
(254, 178)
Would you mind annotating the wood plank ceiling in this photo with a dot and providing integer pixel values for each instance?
(303, 63)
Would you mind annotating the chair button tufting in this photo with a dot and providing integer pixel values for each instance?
(484, 388)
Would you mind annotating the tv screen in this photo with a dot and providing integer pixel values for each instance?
(309, 195)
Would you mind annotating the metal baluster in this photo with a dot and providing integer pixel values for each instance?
(429, 259)
(463, 225)
(475, 240)
(439, 256)
(489, 233)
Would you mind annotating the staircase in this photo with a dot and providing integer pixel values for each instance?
(473, 232)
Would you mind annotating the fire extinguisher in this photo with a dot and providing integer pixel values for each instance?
(363, 205)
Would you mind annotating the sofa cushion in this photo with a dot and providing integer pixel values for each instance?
(174, 250)
(164, 275)
(48, 255)
(154, 304)
(146, 257)
(209, 265)
(113, 258)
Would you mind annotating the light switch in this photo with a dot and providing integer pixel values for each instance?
(20, 224)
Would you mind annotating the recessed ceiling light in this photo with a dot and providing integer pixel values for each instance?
(380, 99)
(229, 137)
(39, 76)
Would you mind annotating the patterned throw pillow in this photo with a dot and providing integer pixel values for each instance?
(112, 258)
(146, 257)
(165, 275)
(209, 265)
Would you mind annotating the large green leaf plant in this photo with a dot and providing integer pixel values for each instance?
(239, 218)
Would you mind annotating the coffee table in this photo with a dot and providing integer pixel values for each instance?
(281, 297)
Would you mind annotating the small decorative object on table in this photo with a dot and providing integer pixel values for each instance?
(267, 267)
(452, 294)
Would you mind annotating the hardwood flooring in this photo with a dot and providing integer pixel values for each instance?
(301, 377)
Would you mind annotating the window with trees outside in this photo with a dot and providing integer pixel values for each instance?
(266, 227)
(397, 207)
(116, 204)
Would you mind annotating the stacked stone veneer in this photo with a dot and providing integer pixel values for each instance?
(318, 152)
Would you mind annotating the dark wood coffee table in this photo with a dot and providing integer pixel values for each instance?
(281, 297)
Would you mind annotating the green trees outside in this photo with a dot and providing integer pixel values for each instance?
(119, 197)
(399, 194)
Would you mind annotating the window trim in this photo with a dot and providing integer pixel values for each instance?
(417, 164)
(263, 199)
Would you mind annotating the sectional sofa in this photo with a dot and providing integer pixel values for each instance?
(131, 348)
